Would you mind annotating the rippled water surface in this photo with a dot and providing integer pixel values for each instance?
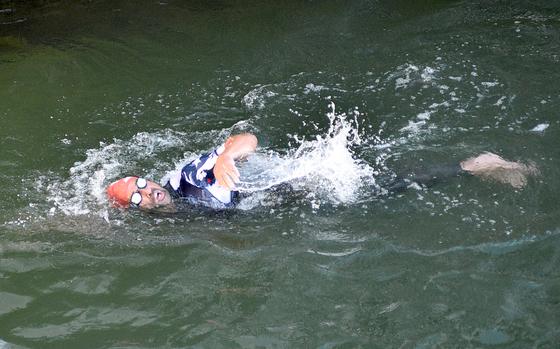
(342, 96)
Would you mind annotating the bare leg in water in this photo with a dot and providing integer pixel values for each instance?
(487, 166)
(493, 167)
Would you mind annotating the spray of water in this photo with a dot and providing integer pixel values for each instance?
(325, 166)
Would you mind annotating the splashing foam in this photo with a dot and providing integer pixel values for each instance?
(325, 166)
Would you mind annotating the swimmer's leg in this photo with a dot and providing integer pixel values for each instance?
(486, 166)
(425, 177)
(493, 167)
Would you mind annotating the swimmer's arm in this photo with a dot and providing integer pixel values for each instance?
(235, 148)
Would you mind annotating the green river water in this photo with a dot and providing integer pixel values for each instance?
(340, 94)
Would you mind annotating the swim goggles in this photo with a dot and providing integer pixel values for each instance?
(136, 197)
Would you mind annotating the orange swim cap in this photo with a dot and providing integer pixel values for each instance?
(119, 192)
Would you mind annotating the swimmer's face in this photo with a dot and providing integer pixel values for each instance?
(148, 196)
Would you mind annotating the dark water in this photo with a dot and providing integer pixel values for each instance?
(340, 94)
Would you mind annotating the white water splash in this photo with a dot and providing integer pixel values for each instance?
(540, 128)
(325, 166)
(403, 75)
(4, 345)
(256, 98)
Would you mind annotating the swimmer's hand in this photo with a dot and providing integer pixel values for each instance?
(225, 172)
(235, 148)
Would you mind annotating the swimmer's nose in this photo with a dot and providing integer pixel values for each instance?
(146, 192)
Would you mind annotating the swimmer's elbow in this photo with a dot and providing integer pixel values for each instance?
(240, 145)
(252, 140)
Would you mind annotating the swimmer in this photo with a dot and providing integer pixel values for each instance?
(210, 179)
